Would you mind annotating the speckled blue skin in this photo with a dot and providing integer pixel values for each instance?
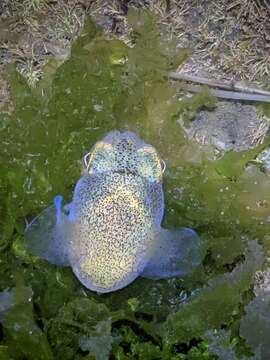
(111, 231)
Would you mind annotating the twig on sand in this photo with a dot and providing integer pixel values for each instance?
(232, 89)
(231, 95)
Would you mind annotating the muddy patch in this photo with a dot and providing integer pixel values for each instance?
(230, 126)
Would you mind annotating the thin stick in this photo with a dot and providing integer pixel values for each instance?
(226, 85)
(232, 95)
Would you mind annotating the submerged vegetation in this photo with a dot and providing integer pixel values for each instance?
(45, 313)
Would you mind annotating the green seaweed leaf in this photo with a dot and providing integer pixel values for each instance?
(255, 326)
(24, 338)
(84, 324)
(232, 164)
(215, 304)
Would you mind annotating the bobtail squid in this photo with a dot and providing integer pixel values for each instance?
(111, 231)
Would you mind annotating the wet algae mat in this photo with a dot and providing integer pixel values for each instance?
(45, 313)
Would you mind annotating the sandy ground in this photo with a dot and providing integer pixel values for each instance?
(229, 39)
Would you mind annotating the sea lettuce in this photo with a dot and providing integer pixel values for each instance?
(255, 325)
(23, 336)
(45, 312)
(83, 324)
(215, 304)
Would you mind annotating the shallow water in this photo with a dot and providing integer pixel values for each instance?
(103, 86)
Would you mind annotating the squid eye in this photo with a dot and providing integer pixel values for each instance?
(86, 160)
(163, 166)
(100, 158)
(150, 164)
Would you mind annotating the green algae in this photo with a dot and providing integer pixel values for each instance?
(81, 324)
(208, 309)
(255, 325)
(22, 333)
(107, 85)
